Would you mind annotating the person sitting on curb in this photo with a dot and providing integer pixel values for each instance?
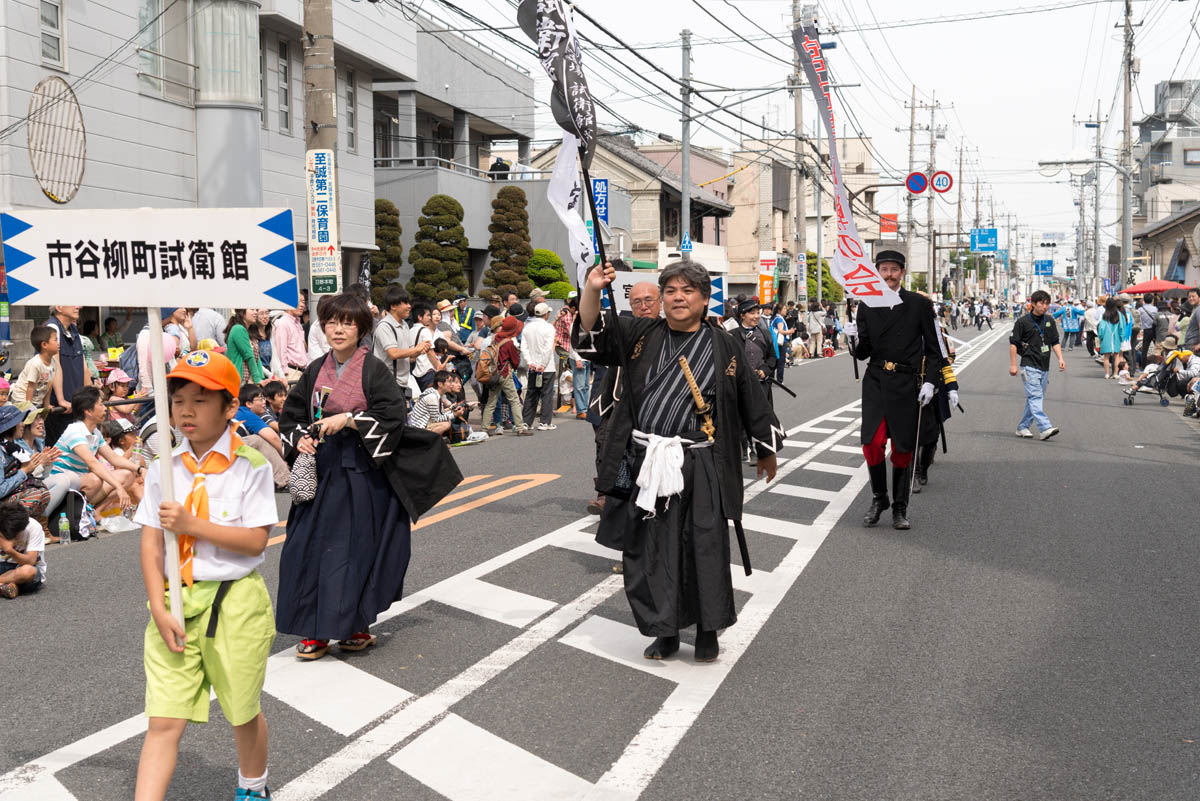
(257, 434)
(81, 442)
(22, 544)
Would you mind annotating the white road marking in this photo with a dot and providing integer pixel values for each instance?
(408, 716)
(620, 642)
(836, 469)
(797, 443)
(491, 601)
(811, 493)
(464, 762)
(360, 697)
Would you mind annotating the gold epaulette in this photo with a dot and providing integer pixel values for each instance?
(948, 376)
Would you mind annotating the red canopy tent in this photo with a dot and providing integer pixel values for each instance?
(1151, 287)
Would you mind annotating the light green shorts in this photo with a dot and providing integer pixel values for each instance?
(233, 662)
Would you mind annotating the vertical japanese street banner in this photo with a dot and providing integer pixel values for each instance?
(851, 266)
(547, 23)
(565, 193)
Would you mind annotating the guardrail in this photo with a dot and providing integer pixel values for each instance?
(433, 162)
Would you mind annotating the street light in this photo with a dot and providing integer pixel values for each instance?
(1051, 168)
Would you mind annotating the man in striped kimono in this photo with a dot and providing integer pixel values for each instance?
(671, 465)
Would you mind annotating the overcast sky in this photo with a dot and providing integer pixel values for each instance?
(1018, 85)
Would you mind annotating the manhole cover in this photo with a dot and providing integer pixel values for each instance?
(57, 140)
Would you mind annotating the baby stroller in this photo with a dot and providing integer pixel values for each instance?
(1154, 381)
(1160, 381)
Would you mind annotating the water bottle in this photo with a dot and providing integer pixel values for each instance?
(64, 529)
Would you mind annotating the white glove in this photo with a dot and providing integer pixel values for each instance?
(953, 397)
(926, 393)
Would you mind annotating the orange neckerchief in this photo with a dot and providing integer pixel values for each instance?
(196, 502)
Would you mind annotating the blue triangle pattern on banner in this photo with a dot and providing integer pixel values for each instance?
(284, 259)
(287, 293)
(18, 290)
(14, 258)
(280, 224)
(10, 226)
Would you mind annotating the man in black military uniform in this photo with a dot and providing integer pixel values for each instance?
(937, 412)
(756, 339)
(901, 346)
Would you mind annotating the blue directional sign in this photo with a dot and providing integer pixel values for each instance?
(1002, 256)
(916, 182)
(1043, 267)
(686, 245)
(592, 233)
(984, 240)
(151, 257)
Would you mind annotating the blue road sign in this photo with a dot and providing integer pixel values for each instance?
(1002, 256)
(686, 245)
(916, 182)
(1043, 267)
(984, 240)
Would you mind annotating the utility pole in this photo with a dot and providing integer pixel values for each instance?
(958, 221)
(685, 91)
(1081, 240)
(1127, 149)
(974, 258)
(320, 104)
(932, 169)
(801, 257)
(1096, 211)
(909, 240)
(991, 282)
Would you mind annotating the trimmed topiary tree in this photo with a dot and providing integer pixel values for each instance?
(509, 247)
(558, 290)
(387, 261)
(439, 254)
(545, 268)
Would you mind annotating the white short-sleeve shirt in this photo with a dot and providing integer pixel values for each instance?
(244, 495)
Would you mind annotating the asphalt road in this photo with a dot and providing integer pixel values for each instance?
(1030, 637)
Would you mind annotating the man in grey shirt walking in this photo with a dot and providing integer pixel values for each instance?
(393, 339)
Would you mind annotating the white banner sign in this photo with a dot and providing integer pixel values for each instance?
(851, 266)
(151, 257)
(324, 251)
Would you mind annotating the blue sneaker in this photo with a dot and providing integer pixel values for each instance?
(243, 793)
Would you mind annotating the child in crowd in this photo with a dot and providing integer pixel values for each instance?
(1123, 373)
(5, 391)
(120, 385)
(22, 543)
(228, 629)
(122, 438)
(276, 393)
(33, 384)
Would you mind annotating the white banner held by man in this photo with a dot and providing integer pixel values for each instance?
(565, 193)
(851, 265)
(151, 257)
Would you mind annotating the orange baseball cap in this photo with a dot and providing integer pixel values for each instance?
(210, 370)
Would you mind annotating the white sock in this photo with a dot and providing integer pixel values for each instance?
(257, 785)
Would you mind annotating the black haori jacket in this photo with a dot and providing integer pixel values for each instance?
(418, 463)
(741, 405)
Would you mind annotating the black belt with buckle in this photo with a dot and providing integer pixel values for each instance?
(892, 367)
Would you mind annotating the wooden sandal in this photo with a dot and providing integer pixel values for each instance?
(358, 642)
(312, 649)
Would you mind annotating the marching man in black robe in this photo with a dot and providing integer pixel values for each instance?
(901, 347)
(671, 465)
(933, 421)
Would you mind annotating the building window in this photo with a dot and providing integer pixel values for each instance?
(1191, 157)
(285, 89)
(262, 77)
(671, 224)
(351, 112)
(54, 51)
(164, 52)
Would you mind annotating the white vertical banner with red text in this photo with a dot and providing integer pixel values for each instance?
(851, 266)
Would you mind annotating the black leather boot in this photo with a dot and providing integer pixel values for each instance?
(900, 479)
(879, 501)
(924, 460)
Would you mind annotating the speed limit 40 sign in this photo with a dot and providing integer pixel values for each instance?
(941, 181)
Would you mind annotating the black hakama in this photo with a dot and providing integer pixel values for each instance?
(676, 564)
